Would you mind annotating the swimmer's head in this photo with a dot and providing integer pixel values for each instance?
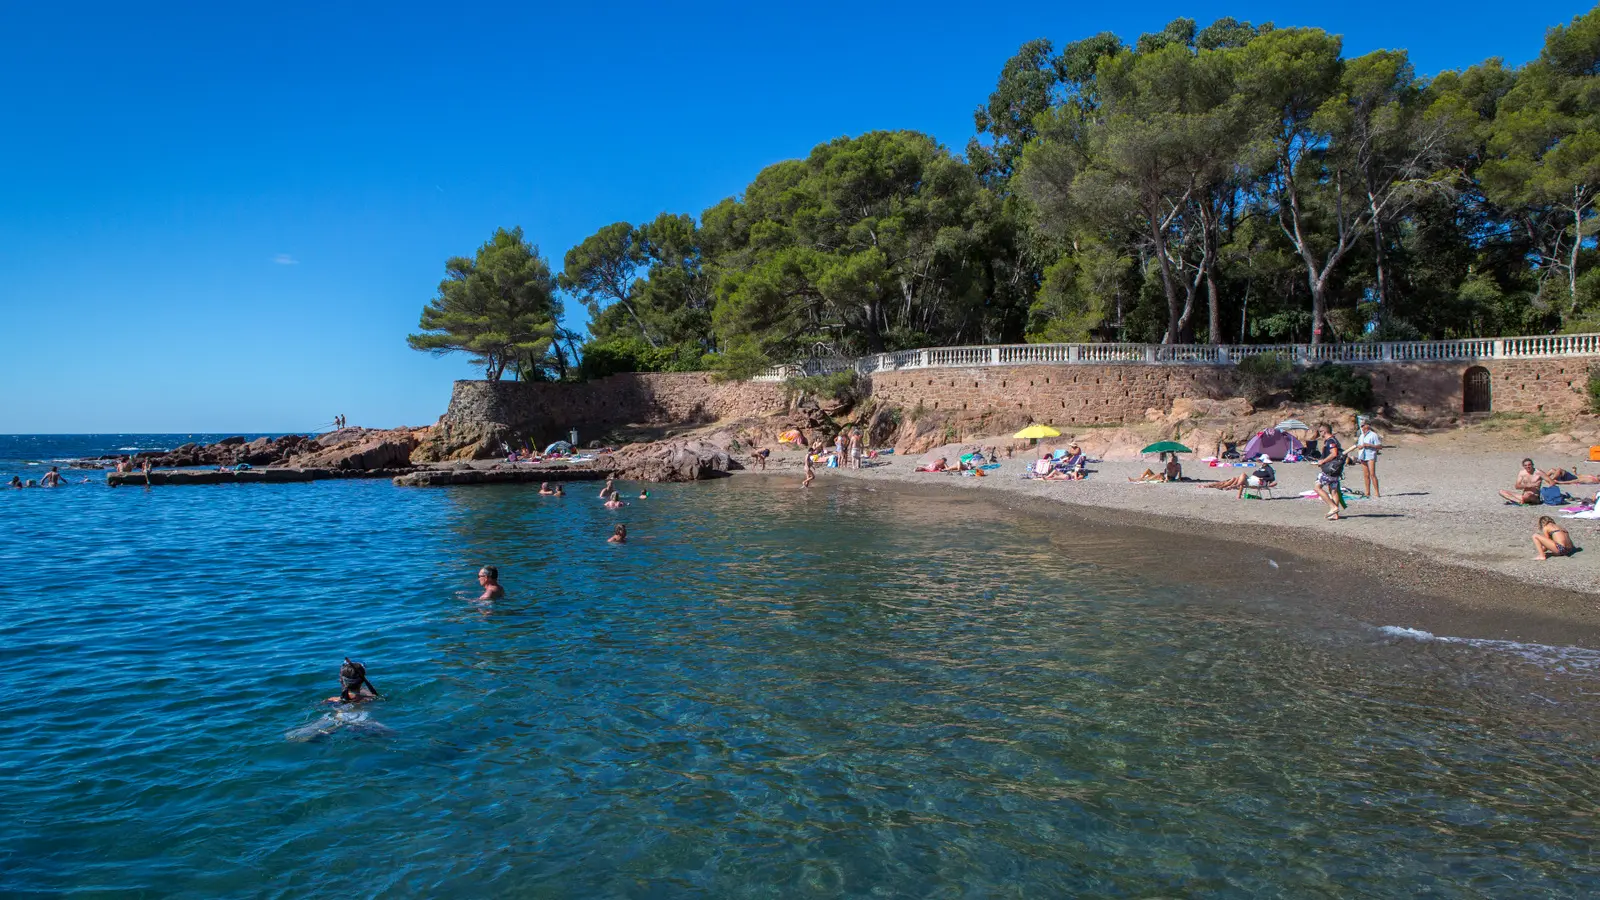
(621, 530)
(489, 575)
(351, 674)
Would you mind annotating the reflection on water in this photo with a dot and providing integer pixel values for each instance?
(767, 692)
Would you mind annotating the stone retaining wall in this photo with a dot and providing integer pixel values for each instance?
(546, 411)
(1060, 394)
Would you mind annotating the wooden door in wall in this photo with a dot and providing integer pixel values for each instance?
(1475, 391)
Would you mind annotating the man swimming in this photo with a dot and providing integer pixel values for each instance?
(53, 478)
(489, 578)
(544, 489)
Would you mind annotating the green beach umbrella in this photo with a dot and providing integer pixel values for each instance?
(1166, 447)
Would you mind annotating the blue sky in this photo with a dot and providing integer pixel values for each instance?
(226, 217)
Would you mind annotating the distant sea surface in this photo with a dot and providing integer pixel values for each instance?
(23, 454)
(767, 692)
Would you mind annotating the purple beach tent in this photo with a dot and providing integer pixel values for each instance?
(1274, 443)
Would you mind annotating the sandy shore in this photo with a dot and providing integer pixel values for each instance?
(1440, 533)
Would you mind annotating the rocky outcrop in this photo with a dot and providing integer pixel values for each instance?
(365, 450)
(675, 460)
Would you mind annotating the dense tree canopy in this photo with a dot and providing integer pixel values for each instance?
(1235, 182)
(499, 306)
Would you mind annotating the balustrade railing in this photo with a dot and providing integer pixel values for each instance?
(1465, 350)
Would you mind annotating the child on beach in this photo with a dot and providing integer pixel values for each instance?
(1551, 540)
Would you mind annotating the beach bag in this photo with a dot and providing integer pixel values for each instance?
(1550, 495)
(1334, 468)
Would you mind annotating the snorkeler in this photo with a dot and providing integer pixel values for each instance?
(353, 684)
(619, 536)
(489, 577)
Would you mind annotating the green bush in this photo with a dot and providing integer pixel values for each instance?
(1333, 384)
(631, 354)
(1594, 390)
(1262, 375)
(840, 387)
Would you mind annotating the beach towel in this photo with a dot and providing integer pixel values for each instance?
(1591, 514)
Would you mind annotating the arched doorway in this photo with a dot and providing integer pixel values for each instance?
(1475, 391)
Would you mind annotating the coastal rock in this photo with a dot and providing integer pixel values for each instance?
(385, 450)
(671, 461)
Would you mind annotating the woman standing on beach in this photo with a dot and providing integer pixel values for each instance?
(1367, 447)
(1330, 485)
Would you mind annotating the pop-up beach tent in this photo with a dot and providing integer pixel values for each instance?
(1274, 443)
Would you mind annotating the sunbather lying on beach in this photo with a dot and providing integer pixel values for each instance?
(1171, 472)
(1261, 477)
(938, 465)
(1559, 475)
(1525, 492)
(1552, 540)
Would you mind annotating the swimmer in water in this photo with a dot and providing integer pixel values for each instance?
(353, 684)
(559, 491)
(619, 536)
(544, 489)
(644, 494)
(53, 478)
(489, 577)
(606, 491)
(16, 481)
(614, 502)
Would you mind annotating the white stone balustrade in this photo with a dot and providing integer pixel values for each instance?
(1465, 350)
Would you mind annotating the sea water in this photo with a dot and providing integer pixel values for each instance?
(766, 692)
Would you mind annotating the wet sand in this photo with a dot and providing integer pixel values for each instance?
(1439, 551)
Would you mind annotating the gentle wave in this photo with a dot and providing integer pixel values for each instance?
(1565, 660)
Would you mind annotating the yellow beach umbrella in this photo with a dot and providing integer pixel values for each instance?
(1034, 432)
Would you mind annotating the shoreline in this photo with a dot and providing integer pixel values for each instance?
(1458, 577)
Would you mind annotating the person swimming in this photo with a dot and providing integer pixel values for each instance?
(644, 494)
(489, 577)
(544, 489)
(560, 492)
(53, 478)
(354, 687)
(619, 535)
(615, 502)
(608, 490)
(16, 481)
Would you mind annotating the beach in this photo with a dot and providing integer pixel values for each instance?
(1459, 554)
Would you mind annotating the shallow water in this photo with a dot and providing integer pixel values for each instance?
(843, 692)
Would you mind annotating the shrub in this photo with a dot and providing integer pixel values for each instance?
(840, 387)
(1262, 375)
(1333, 384)
(631, 354)
(1594, 390)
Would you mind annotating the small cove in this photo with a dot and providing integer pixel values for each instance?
(767, 692)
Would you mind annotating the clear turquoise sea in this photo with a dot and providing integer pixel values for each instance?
(844, 692)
